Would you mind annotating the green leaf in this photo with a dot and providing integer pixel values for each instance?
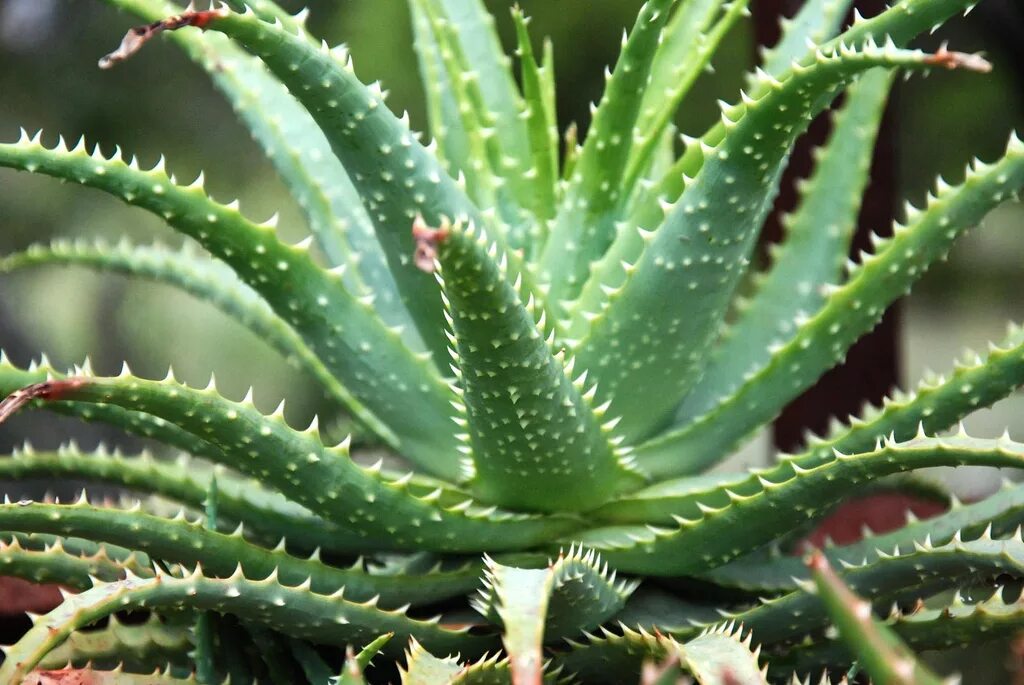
(680, 284)
(520, 599)
(53, 563)
(541, 123)
(310, 299)
(722, 656)
(423, 668)
(139, 647)
(221, 553)
(451, 141)
(482, 172)
(957, 623)
(534, 439)
(396, 177)
(323, 479)
(300, 153)
(611, 657)
(995, 516)
(355, 664)
(817, 21)
(849, 311)
(269, 517)
(730, 520)
(116, 677)
(585, 225)
(937, 403)
(204, 279)
(879, 651)
(690, 41)
(472, 35)
(582, 594)
(899, 24)
(145, 425)
(323, 619)
(816, 246)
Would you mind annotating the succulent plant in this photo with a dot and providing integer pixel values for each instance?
(554, 349)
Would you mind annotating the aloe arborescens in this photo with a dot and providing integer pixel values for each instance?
(555, 346)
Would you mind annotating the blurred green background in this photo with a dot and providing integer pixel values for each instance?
(159, 103)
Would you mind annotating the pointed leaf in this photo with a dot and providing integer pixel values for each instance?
(541, 123)
(311, 300)
(879, 651)
(299, 152)
(268, 516)
(583, 595)
(722, 656)
(665, 307)
(220, 553)
(535, 439)
(324, 479)
(997, 516)
(849, 311)
(294, 610)
(521, 599)
(816, 246)
(691, 39)
(585, 225)
(138, 647)
(396, 176)
(728, 521)
(204, 279)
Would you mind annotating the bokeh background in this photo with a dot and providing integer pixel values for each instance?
(159, 103)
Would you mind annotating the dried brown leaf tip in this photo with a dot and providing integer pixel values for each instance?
(427, 240)
(944, 57)
(140, 35)
(50, 390)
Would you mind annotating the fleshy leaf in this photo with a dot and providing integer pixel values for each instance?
(690, 40)
(299, 152)
(204, 279)
(395, 175)
(582, 594)
(535, 440)
(728, 521)
(138, 647)
(879, 651)
(310, 299)
(996, 516)
(908, 577)
(849, 311)
(666, 302)
(722, 656)
(269, 517)
(221, 553)
(521, 598)
(816, 246)
(300, 466)
(586, 223)
(294, 610)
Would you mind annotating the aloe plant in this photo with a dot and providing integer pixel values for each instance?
(551, 347)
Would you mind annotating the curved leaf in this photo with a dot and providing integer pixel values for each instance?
(662, 305)
(879, 651)
(726, 522)
(319, 618)
(309, 298)
(849, 311)
(300, 466)
(220, 553)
